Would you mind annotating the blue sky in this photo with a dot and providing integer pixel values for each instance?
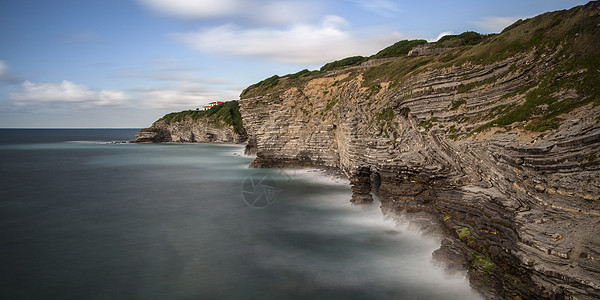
(125, 63)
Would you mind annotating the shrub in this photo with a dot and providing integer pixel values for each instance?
(540, 126)
(348, 61)
(399, 49)
(225, 113)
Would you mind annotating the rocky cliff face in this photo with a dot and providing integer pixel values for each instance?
(499, 142)
(188, 131)
(219, 124)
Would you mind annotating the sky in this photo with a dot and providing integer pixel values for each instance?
(126, 63)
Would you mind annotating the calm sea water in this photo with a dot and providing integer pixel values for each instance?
(81, 218)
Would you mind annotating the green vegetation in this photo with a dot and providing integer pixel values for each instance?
(454, 136)
(481, 262)
(262, 86)
(428, 124)
(567, 40)
(303, 73)
(465, 38)
(331, 103)
(386, 115)
(541, 126)
(346, 62)
(457, 104)
(464, 232)
(385, 120)
(574, 29)
(395, 70)
(226, 113)
(399, 49)
(462, 88)
(373, 90)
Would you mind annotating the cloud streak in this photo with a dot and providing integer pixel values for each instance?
(182, 97)
(176, 86)
(289, 31)
(306, 44)
(384, 8)
(65, 93)
(254, 11)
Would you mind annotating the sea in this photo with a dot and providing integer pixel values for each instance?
(83, 216)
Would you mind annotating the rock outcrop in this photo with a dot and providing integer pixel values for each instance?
(188, 131)
(426, 50)
(220, 124)
(498, 142)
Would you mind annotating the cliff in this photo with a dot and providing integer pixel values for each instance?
(221, 123)
(498, 142)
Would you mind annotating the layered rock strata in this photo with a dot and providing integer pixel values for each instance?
(521, 208)
(188, 131)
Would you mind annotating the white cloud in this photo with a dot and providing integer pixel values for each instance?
(256, 11)
(384, 8)
(195, 8)
(175, 86)
(307, 44)
(65, 93)
(183, 97)
(495, 24)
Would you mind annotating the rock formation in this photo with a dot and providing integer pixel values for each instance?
(498, 142)
(426, 50)
(220, 124)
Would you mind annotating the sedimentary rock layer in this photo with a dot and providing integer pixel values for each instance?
(519, 203)
(188, 131)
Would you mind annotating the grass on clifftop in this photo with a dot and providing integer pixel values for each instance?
(226, 113)
(568, 40)
(576, 37)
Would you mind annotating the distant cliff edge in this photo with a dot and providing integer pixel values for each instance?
(221, 123)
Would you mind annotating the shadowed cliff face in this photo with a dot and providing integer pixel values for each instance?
(504, 154)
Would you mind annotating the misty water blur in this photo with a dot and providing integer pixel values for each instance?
(81, 218)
